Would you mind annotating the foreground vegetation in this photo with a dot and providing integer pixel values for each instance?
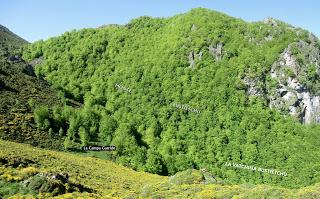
(28, 171)
(126, 78)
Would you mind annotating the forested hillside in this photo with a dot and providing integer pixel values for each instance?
(190, 91)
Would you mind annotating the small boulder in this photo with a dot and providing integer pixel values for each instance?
(270, 21)
(15, 58)
(190, 176)
(194, 27)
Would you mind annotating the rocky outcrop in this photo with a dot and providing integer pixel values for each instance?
(193, 57)
(297, 101)
(15, 58)
(268, 38)
(270, 21)
(290, 73)
(36, 61)
(252, 88)
(291, 94)
(216, 51)
(312, 38)
(194, 27)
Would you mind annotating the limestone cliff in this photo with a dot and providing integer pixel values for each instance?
(296, 66)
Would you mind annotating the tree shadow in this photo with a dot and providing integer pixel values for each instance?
(29, 70)
(3, 73)
(3, 86)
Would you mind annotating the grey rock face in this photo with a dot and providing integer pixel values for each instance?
(194, 27)
(200, 55)
(15, 58)
(268, 38)
(290, 95)
(36, 61)
(311, 111)
(216, 51)
(252, 88)
(270, 21)
(312, 38)
(193, 57)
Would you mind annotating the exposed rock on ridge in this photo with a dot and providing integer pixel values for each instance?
(292, 94)
(216, 51)
(295, 84)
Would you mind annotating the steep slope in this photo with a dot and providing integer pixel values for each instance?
(20, 91)
(43, 173)
(297, 72)
(190, 91)
(9, 41)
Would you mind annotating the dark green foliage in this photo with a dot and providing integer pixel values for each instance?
(8, 189)
(42, 184)
(154, 162)
(37, 182)
(20, 93)
(150, 57)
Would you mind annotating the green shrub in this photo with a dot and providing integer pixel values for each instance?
(41, 116)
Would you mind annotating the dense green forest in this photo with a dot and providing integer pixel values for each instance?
(128, 80)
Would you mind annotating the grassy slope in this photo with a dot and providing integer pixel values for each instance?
(104, 176)
(111, 180)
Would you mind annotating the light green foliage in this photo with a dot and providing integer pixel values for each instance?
(84, 136)
(106, 129)
(41, 116)
(189, 176)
